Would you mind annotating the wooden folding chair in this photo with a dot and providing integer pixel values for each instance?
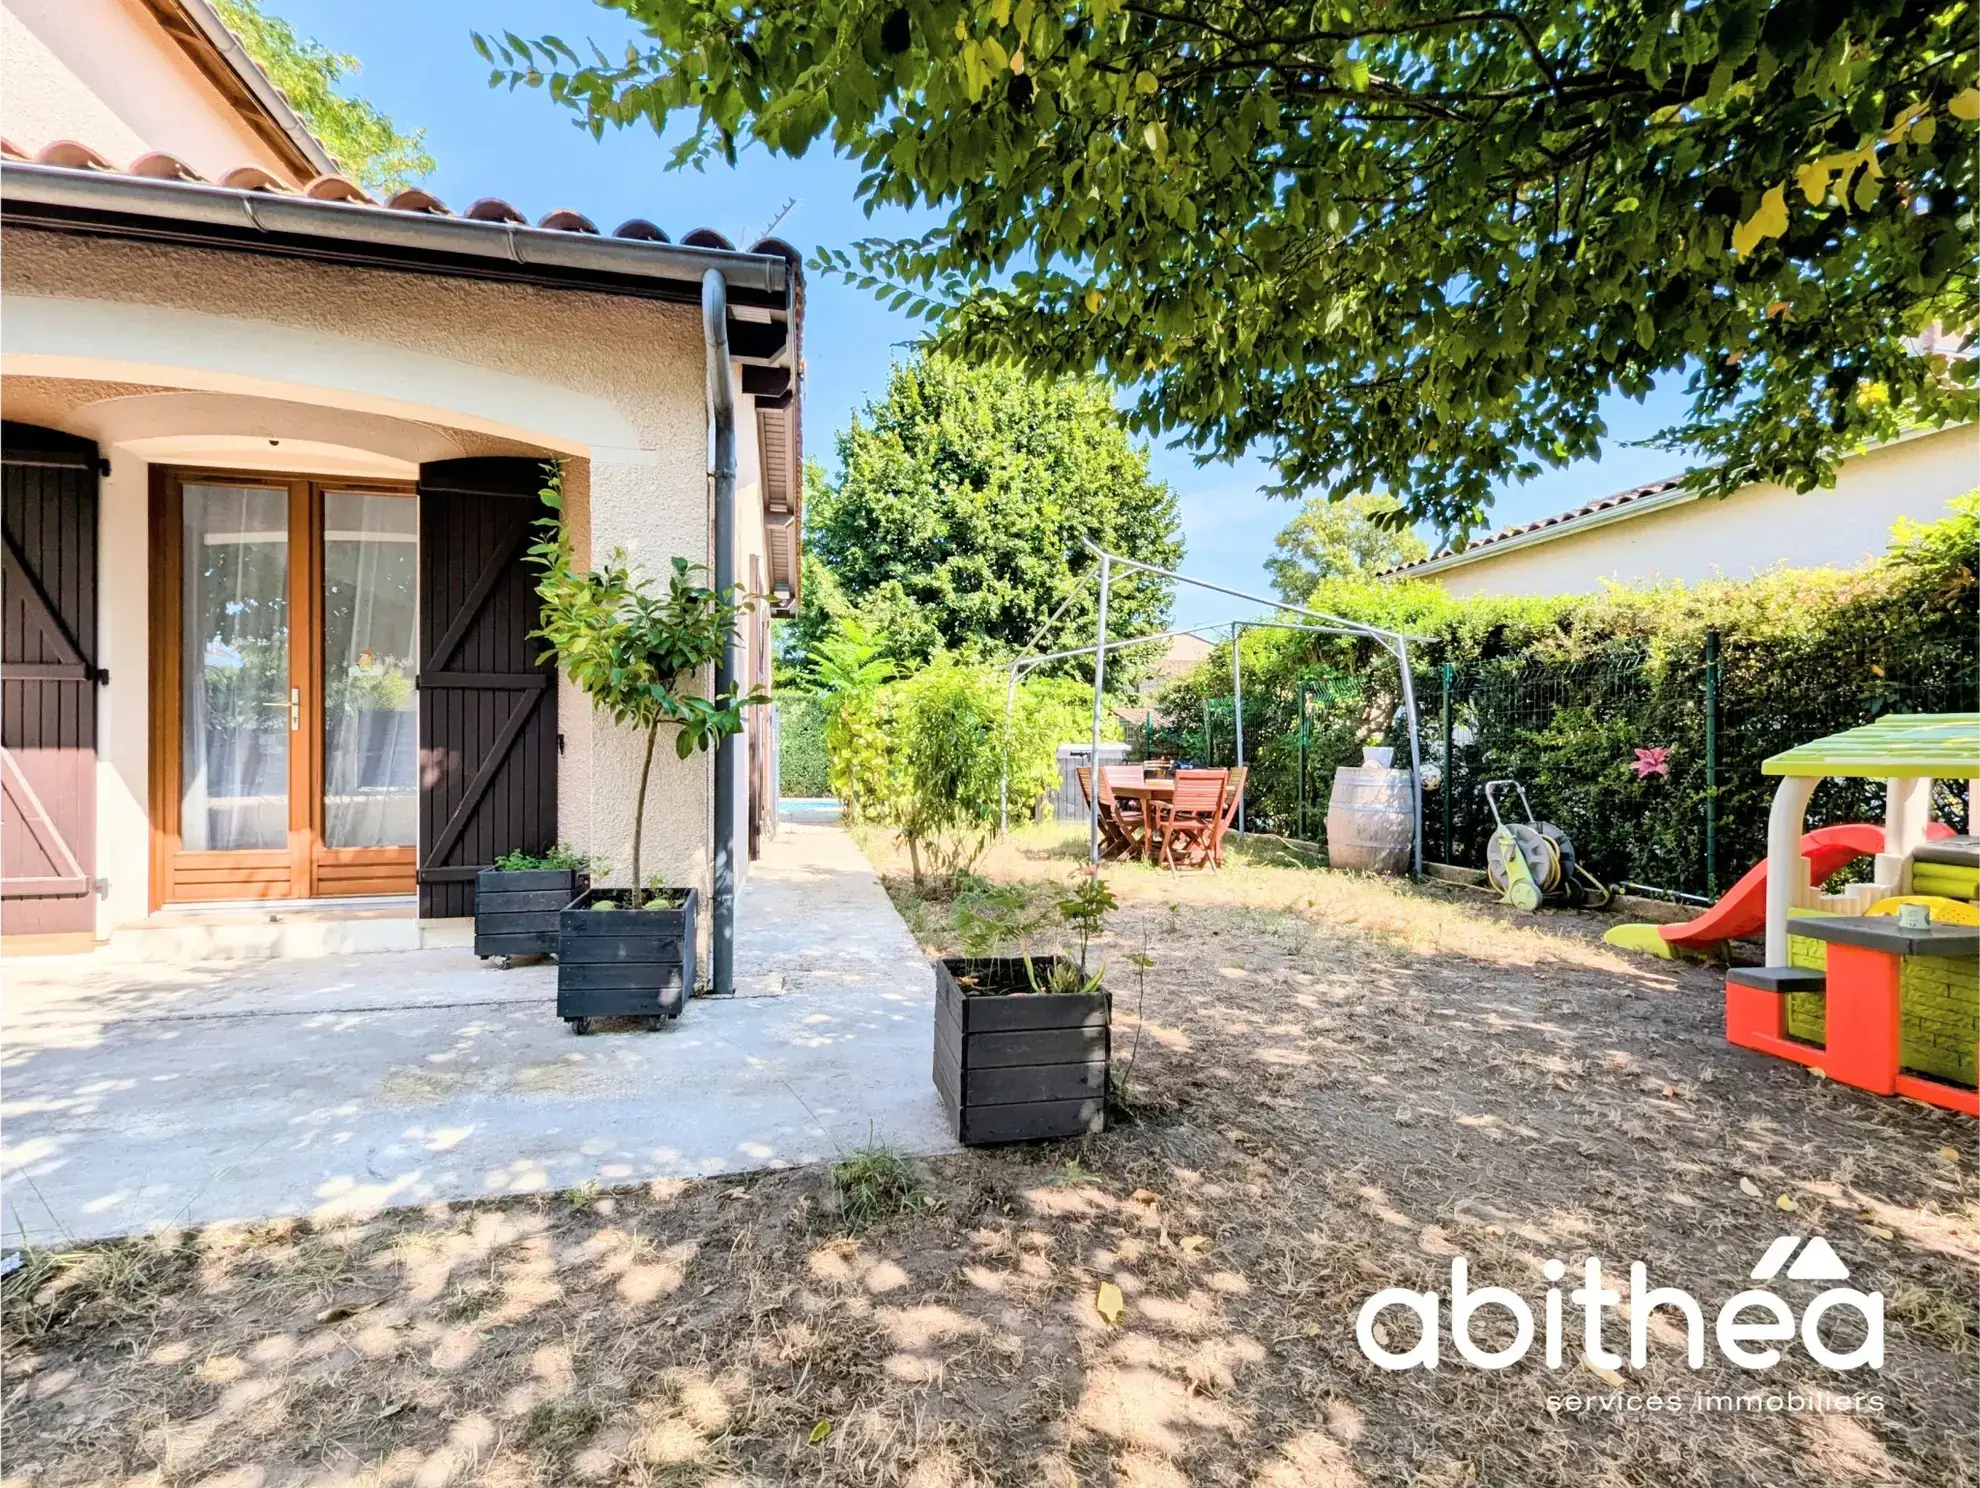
(1115, 841)
(1190, 819)
(1112, 777)
(1233, 794)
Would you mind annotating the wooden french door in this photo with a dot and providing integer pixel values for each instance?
(284, 750)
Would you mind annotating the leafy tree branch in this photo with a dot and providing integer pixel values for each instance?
(1393, 244)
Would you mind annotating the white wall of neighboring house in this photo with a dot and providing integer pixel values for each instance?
(105, 74)
(1686, 537)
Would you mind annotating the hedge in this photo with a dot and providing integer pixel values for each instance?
(802, 769)
(1561, 693)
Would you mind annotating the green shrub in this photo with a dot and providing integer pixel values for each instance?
(932, 753)
(803, 768)
(945, 727)
(848, 669)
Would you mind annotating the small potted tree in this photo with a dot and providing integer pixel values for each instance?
(519, 902)
(1022, 1042)
(629, 951)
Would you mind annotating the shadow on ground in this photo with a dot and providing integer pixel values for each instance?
(1336, 1087)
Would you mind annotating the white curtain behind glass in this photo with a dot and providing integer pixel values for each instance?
(370, 779)
(234, 662)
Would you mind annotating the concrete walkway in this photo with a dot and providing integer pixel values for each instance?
(139, 1096)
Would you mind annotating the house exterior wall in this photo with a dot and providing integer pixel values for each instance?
(1756, 528)
(393, 366)
(105, 74)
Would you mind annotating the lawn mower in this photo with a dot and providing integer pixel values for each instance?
(1532, 863)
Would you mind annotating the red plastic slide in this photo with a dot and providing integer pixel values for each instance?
(1743, 911)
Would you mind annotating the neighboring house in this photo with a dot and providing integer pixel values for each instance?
(1660, 532)
(1184, 654)
(271, 458)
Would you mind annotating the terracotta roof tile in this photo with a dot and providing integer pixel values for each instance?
(254, 178)
(494, 209)
(639, 229)
(337, 188)
(74, 156)
(412, 199)
(565, 220)
(161, 167)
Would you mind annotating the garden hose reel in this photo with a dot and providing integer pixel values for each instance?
(1532, 863)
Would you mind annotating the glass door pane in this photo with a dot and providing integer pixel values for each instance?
(370, 779)
(236, 705)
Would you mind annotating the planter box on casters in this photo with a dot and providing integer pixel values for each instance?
(624, 963)
(517, 914)
(1014, 1065)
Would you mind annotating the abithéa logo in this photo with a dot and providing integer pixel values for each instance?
(1746, 1326)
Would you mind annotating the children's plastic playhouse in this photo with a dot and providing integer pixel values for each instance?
(1872, 994)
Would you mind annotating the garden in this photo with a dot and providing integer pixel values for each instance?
(1269, 1174)
(1315, 1090)
(1329, 1084)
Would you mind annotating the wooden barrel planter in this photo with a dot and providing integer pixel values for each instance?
(1013, 1065)
(518, 914)
(1370, 823)
(624, 963)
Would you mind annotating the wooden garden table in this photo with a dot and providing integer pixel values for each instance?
(1147, 793)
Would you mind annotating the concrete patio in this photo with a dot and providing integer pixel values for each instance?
(139, 1096)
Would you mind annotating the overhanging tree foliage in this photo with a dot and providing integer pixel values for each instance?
(957, 521)
(1397, 243)
(365, 143)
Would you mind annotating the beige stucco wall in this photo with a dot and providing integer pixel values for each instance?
(104, 74)
(1755, 528)
(390, 366)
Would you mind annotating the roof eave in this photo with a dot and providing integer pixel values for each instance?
(219, 55)
(1569, 524)
(105, 205)
(1622, 512)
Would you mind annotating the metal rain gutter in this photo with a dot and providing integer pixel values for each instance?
(728, 757)
(62, 198)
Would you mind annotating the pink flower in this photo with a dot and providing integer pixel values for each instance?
(1652, 762)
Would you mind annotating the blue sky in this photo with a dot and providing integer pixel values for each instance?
(420, 67)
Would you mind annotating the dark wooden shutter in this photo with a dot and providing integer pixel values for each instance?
(48, 682)
(487, 707)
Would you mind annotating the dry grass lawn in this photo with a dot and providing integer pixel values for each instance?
(1338, 1084)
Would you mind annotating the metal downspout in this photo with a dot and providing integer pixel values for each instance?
(728, 756)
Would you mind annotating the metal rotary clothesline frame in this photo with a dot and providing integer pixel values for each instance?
(1395, 642)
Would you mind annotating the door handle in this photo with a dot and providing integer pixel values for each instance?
(294, 705)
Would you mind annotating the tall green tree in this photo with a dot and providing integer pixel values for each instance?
(366, 144)
(1400, 244)
(1360, 534)
(958, 520)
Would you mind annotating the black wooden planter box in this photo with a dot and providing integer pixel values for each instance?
(516, 914)
(1016, 1066)
(624, 963)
